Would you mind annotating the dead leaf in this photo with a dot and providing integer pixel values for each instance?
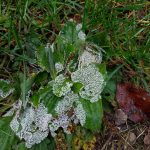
(135, 102)
(132, 137)
(147, 138)
(120, 117)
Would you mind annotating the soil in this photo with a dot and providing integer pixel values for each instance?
(129, 136)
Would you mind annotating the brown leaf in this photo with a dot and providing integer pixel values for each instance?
(135, 102)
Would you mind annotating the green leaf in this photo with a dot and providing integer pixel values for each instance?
(26, 85)
(114, 72)
(6, 134)
(45, 60)
(68, 41)
(42, 58)
(107, 106)
(94, 114)
(47, 144)
(59, 50)
(46, 96)
(102, 68)
(69, 33)
(69, 140)
(21, 146)
(41, 78)
(44, 93)
(77, 87)
(109, 91)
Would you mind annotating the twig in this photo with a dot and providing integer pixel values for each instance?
(106, 142)
(127, 142)
(141, 133)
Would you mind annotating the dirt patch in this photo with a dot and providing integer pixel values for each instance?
(129, 136)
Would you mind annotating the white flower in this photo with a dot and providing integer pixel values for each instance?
(66, 103)
(80, 113)
(92, 81)
(61, 86)
(78, 27)
(35, 138)
(59, 67)
(81, 36)
(89, 56)
(42, 117)
(63, 121)
(32, 125)
(15, 124)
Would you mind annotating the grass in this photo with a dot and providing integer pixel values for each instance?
(120, 27)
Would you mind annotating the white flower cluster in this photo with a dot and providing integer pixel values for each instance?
(89, 56)
(32, 125)
(62, 121)
(61, 86)
(71, 101)
(92, 81)
(4, 92)
(80, 113)
(66, 103)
